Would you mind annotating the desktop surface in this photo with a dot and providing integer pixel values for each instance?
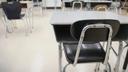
(62, 21)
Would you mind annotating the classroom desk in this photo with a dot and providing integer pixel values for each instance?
(62, 20)
(90, 3)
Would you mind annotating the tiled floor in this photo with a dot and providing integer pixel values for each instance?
(37, 52)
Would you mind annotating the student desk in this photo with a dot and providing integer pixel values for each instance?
(88, 3)
(62, 20)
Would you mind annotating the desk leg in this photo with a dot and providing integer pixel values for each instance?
(125, 62)
(119, 56)
(60, 58)
(127, 68)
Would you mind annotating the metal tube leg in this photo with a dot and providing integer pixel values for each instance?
(119, 56)
(26, 26)
(30, 23)
(44, 4)
(3, 21)
(97, 67)
(127, 68)
(30, 17)
(73, 5)
(81, 5)
(63, 5)
(55, 1)
(60, 58)
(9, 26)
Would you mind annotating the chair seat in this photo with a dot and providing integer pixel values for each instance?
(21, 16)
(88, 53)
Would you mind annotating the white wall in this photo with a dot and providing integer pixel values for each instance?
(51, 3)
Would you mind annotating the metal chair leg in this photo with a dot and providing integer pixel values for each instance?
(5, 25)
(127, 68)
(63, 5)
(64, 69)
(60, 58)
(97, 67)
(81, 5)
(26, 26)
(119, 56)
(108, 68)
(73, 5)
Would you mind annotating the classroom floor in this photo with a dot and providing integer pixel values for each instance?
(37, 52)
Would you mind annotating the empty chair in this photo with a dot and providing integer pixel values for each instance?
(12, 11)
(74, 2)
(87, 48)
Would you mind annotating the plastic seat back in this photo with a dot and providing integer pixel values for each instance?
(93, 34)
(12, 9)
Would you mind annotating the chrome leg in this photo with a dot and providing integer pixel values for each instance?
(55, 4)
(26, 25)
(81, 5)
(64, 69)
(44, 4)
(30, 20)
(119, 56)
(63, 5)
(97, 67)
(3, 21)
(127, 68)
(73, 5)
(9, 28)
(60, 58)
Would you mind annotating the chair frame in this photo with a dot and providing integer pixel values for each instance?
(127, 68)
(80, 43)
(82, 38)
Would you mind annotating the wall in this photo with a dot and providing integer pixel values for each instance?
(51, 3)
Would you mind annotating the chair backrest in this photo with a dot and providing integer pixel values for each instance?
(94, 34)
(101, 7)
(12, 9)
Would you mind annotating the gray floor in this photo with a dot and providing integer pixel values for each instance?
(37, 52)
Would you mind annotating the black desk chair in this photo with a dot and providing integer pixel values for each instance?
(12, 11)
(89, 34)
